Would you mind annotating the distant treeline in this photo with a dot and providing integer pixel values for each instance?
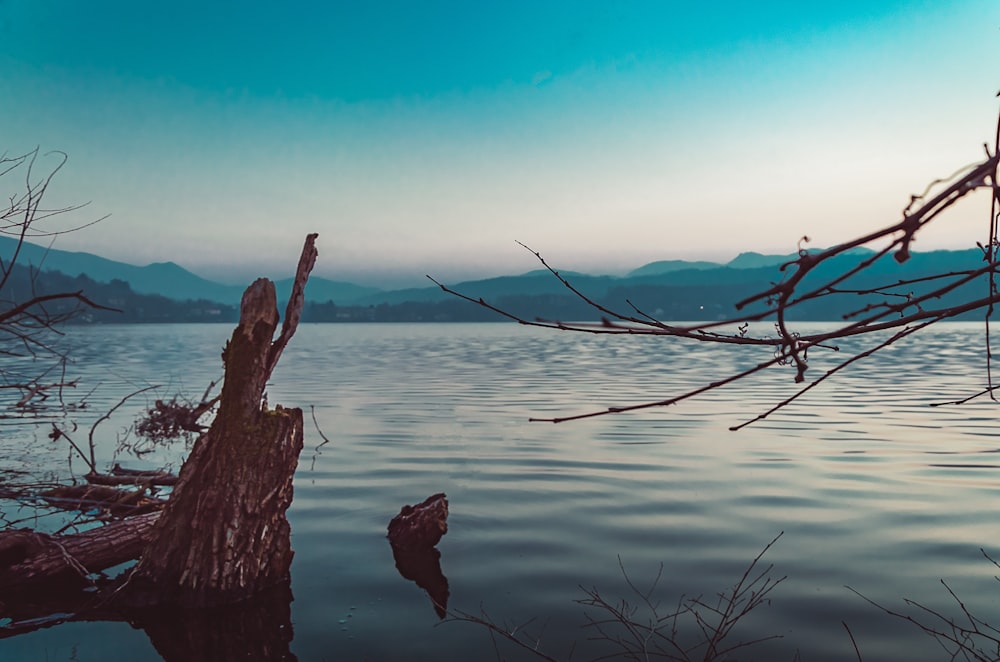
(660, 302)
(665, 304)
(686, 301)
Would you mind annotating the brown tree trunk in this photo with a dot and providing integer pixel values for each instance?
(223, 535)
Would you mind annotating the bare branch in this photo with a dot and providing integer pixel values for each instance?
(293, 311)
(902, 309)
(27, 323)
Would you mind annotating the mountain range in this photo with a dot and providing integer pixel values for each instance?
(662, 285)
(170, 280)
(165, 278)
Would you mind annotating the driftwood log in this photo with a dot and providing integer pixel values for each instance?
(223, 536)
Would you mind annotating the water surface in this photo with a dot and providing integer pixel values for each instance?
(872, 488)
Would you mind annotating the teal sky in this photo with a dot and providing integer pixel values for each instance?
(426, 137)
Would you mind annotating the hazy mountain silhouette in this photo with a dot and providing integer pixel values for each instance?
(166, 278)
(534, 283)
(676, 289)
(752, 260)
(669, 266)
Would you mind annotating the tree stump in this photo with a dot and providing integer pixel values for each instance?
(223, 536)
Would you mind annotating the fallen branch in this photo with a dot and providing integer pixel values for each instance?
(33, 560)
(120, 476)
(103, 499)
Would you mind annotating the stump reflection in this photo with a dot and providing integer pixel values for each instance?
(255, 629)
(424, 567)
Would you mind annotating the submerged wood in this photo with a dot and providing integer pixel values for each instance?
(413, 534)
(420, 527)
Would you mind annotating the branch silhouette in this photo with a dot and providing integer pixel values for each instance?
(29, 316)
(900, 308)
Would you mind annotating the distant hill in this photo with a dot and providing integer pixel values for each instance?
(167, 278)
(116, 302)
(669, 266)
(752, 260)
(163, 278)
(322, 289)
(533, 283)
(747, 260)
(684, 293)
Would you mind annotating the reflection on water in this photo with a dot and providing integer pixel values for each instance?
(423, 567)
(873, 488)
(257, 629)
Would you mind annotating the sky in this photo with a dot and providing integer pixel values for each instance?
(430, 137)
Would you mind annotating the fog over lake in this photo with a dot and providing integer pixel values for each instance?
(872, 488)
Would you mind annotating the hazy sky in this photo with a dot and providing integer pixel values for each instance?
(422, 137)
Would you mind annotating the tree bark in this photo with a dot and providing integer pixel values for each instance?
(223, 535)
(35, 559)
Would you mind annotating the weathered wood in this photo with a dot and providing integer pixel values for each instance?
(420, 527)
(35, 559)
(121, 476)
(223, 536)
(413, 534)
(103, 499)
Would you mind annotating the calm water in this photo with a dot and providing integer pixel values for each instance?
(872, 488)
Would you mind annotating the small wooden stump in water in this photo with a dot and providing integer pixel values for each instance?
(413, 534)
(420, 526)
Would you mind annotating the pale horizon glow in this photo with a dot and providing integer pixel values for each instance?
(430, 139)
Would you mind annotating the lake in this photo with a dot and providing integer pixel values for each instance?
(873, 489)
